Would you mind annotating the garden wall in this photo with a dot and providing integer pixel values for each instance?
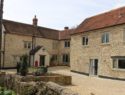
(30, 87)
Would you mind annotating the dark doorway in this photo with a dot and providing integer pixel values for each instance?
(94, 67)
(42, 60)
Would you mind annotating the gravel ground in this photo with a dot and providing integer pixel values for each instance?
(85, 85)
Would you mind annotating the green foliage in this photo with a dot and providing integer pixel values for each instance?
(41, 70)
(24, 65)
(4, 91)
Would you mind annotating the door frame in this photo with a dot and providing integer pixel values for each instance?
(93, 67)
(43, 64)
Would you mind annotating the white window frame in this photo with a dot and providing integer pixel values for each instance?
(115, 64)
(86, 41)
(67, 44)
(27, 44)
(105, 38)
(64, 59)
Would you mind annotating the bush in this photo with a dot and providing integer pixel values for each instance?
(3, 91)
(24, 65)
(41, 70)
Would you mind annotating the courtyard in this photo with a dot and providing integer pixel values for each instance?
(85, 85)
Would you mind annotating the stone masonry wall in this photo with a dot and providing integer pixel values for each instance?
(14, 46)
(63, 50)
(34, 88)
(81, 55)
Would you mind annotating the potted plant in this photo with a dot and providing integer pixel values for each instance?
(41, 70)
(24, 65)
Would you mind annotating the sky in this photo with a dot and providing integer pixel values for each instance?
(57, 14)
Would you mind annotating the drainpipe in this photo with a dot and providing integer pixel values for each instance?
(1, 18)
(4, 49)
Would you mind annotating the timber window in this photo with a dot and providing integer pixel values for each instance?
(66, 58)
(105, 37)
(119, 63)
(27, 44)
(85, 40)
(67, 44)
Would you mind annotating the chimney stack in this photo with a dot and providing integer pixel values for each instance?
(66, 28)
(35, 21)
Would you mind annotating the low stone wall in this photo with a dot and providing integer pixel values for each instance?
(56, 78)
(22, 86)
(42, 88)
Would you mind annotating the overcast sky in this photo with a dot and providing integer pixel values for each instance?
(57, 13)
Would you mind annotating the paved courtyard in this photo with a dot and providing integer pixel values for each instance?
(85, 85)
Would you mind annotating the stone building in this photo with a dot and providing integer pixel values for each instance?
(44, 46)
(98, 45)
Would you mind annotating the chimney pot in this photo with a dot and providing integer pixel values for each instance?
(66, 28)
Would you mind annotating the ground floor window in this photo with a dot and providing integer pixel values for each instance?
(119, 63)
(54, 57)
(66, 58)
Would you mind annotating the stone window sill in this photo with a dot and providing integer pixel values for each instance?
(118, 70)
(85, 46)
(105, 44)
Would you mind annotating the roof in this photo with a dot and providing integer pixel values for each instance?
(33, 51)
(65, 34)
(107, 19)
(29, 30)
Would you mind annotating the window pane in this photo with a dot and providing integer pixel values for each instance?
(107, 37)
(66, 44)
(29, 45)
(86, 40)
(66, 58)
(63, 58)
(69, 44)
(103, 38)
(25, 45)
(83, 40)
(121, 64)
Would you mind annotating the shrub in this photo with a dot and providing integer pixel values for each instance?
(24, 65)
(3, 91)
(41, 71)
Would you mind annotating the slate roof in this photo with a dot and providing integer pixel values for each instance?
(107, 19)
(13, 27)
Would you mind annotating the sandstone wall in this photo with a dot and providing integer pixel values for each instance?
(14, 45)
(81, 55)
(63, 50)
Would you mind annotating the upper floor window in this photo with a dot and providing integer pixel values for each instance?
(105, 38)
(85, 40)
(67, 44)
(27, 44)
